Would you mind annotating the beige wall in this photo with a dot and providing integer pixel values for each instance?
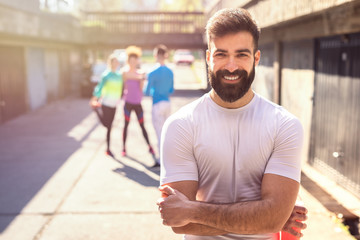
(296, 93)
(264, 82)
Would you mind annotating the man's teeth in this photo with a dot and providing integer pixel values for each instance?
(231, 78)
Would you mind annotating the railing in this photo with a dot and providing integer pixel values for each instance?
(146, 29)
(145, 22)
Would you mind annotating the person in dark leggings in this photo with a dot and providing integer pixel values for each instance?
(133, 84)
(128, 108)
(106, 117)
(106, 95)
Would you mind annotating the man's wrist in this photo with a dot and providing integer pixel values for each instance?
(194, 211)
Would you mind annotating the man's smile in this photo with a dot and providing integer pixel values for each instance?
(231, 77)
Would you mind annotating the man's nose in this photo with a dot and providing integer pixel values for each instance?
(231, 65)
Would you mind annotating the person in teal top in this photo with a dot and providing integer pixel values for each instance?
(106, 96)
(160, 86)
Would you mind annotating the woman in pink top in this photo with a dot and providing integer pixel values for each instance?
(134, 80)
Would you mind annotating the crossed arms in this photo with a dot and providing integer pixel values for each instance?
(272, 213)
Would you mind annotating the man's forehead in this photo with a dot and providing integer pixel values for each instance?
(232, 42)
(230, 49)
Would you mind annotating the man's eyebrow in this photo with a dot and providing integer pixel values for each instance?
(243, 50)
(220, 50)
(246, 50)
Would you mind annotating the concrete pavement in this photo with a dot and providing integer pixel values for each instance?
(57, 183)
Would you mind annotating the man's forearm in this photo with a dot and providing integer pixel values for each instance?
(266, 215)
(198, 229)
(256, 217)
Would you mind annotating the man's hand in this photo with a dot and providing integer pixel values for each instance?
(174, 207)
(295, 221)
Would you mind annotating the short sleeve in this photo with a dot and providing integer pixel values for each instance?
(148, 88)
(176, 155)
(100, 85)
(286, 157)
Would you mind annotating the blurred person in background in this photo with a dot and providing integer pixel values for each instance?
(160, 85)
(107, 95)
(133, 85)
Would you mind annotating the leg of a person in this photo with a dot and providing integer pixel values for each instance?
(161, 111)
(140, 116)
(108, 118)
(100, 115)
(165, 110)
(127, 113)
(108, 134)
(155, 114)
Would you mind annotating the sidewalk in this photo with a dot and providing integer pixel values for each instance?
(57, 183)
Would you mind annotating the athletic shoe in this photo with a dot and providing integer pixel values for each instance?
(109, 153)
(123, 153)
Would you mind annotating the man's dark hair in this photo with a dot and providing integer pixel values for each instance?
(160, 50)
(232, 20)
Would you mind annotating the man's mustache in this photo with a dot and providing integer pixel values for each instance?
(238, 72)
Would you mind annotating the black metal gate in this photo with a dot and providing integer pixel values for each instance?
(335, 136)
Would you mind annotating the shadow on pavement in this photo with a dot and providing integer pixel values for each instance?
(32, 149)
(136, 175)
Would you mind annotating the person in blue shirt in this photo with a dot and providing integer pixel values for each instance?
(160, 85)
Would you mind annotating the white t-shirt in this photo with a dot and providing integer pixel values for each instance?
(229, 150)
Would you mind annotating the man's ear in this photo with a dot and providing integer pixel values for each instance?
(207, 56)
(257, 57)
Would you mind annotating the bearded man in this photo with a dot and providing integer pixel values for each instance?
(230, 161)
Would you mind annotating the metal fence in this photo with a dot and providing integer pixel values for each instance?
(335, 145)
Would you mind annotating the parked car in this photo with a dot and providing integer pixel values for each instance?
(183, 56)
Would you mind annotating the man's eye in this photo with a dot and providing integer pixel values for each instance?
(242, 55)
(219, 55)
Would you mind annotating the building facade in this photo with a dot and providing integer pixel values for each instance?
(40, 57)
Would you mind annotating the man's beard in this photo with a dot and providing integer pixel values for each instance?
(231, 92)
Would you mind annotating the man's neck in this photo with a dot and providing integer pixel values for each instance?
(237, 104)
(161, 61)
